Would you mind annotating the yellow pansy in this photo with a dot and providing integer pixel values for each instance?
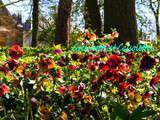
(64, 116)
(138, 98)
(20, 69)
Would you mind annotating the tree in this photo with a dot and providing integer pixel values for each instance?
(35, 22)
(155, 7)
(63, 22)
(120, 14)
(4, 5)
(92, 16)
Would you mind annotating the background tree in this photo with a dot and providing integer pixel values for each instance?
(120, 14)
(35, 22)
(153, 7)
(63, 22)
(92, 16)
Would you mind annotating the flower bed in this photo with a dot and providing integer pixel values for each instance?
(57, 84)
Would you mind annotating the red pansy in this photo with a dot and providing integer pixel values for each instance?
(135, 78)
(4, 89)
(72, 67)
(91, 66)
(57, 51)
(63, 89)
(154, 81)
(114, 61)
(16, 52)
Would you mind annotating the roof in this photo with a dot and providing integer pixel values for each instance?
(4, 10)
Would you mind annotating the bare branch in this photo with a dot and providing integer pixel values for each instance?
(3, 5)
(151, 6)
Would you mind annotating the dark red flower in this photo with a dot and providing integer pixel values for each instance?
(12, 63)
(135, 78)
(59, 74)
(16, 52)
(80, 86)
(114, 61)
(91, 66)
(77, 92)
(57, 51)
(46, 63)
(159, 70)
(109, 75)
(4, 89)
(61, 63)
(129, 55)
(131, 90)
(122, 87)
(94, 80)
(107, 46)
(154, 81)
(96, 58)
(147, 95)
(34, 102)
(103, 66)
(75, 56)
(4, 68)
(71, 107)
(63, 89)
(129, 61)
(124, 68)
(84, 59)
(72, 67)
(147, 63)
(102, 54)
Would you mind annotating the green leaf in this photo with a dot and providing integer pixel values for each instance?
(120, 111)
(140, 113)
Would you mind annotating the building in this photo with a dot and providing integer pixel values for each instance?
(27, 33)
(11, 28)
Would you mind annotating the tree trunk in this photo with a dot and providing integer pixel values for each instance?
(92, 16)
(63, 22)
(120, 14)
(35, 22)
(157, 26)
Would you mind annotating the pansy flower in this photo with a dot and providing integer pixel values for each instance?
(16, 52)
(75, 56)
(12, 63)
(122, 87)
(135, 78)
(88, 99)
(147, 63)
(72, 67)
(84, 59)
(103, 66)
(102, 54)
(34, 102)
(63, 89)
(46, 63)
(77, 92)
(91, 66)
(4, 89)
(57, 51)
(159, 70)
(154, 81)
(4, 68)
(114, 61)
(71, 107)
(129, 55)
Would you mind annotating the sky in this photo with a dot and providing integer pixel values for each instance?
(20, 7)
(24, 9)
